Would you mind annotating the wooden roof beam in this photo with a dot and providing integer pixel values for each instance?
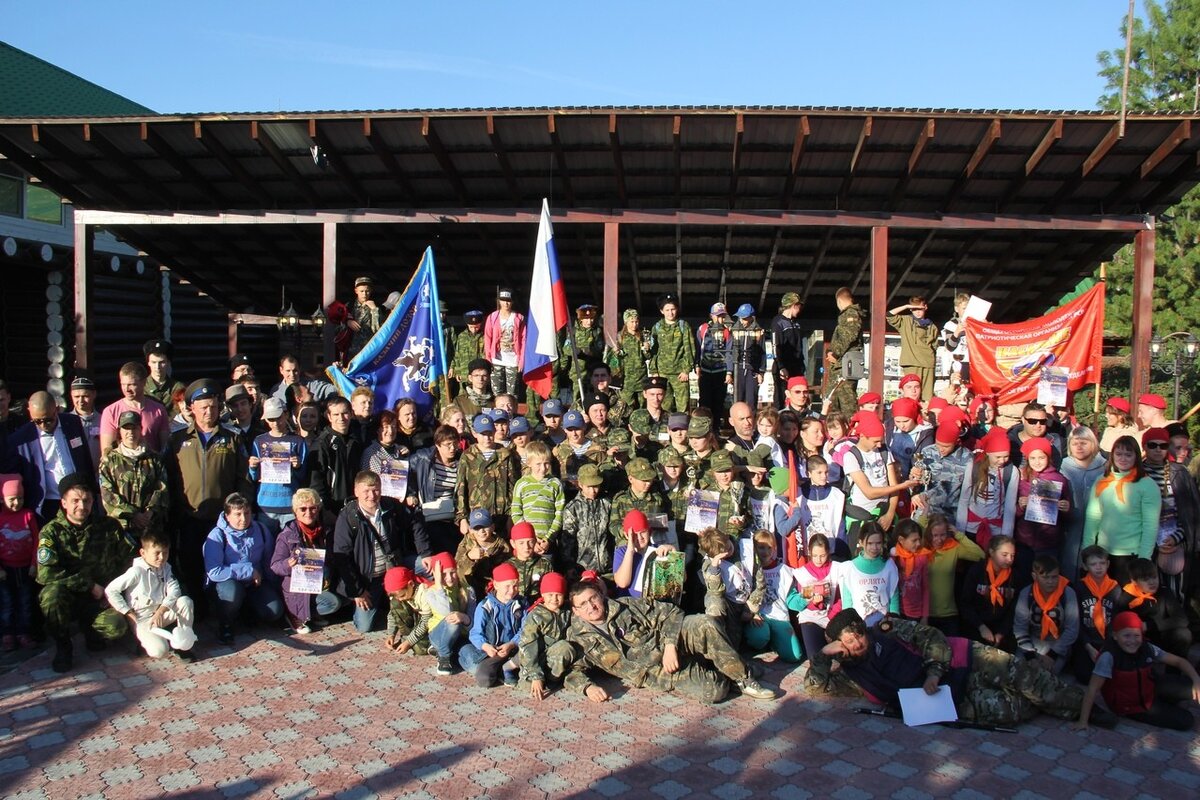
(633, 270)
(213, 145)
(155, 142)
(676, 128)
(862, 269)
(61, 186)
(267, 145)
(443, 158)
(560, 158)
(909, 263)
(803, 129)
(334, 160)
(91, 174)
(501, 152)
(102, 143)
(990, 136)
(769, 270)
(1182, 132)
(614, 142)
(1189, 170)
(815, 268)
(923, 139)
(844, 189)
(739, 129)
(1052, 135)
(1101, 150)
(388, 159)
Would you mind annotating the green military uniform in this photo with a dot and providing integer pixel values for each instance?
(734, 501)
(164, 392)
(589, 346)
(631, 648)
(641, 423)
(467, 347)
(650, 503)
(918, 349)
(618, 409)
(476, 572)
(677, 496)
(71, 559)
(673, 352)
(544, 650)
(569, 462)
(529, 576)
(134, 484)
(485, 482)
(471, 403)
(631, 361)
(403, 616)
(847, 338)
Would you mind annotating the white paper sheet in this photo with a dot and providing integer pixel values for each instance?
(977, 308)
(923, 709)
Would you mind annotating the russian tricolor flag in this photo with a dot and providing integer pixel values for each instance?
(548, 312)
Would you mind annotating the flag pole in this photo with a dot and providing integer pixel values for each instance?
(575, 360)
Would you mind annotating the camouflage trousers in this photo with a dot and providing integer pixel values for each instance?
(701, 640)
(844, 399)
(1004, 690)
(678, 396)
(556, 663)
(632, 397)
(61, 607)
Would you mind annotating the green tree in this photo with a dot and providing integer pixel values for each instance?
(1164, 75)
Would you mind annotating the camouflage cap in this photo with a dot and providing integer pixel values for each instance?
(640, 469)
(589, 475)
(640, 423)
(721, 461)
(789, 299)
(670, 457)
(618, 437)
(699, 427)
(630, 313)
(759, 458)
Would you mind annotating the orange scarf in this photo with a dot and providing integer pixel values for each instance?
(995, 581)
(949, 544)
(1139, 596)
(1047, 604)
(907, 561)
(1120, 481)
(1099, 592)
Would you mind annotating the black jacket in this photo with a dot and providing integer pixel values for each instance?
(353, 559)
(787, 337)
(336, 459)
(24, 456)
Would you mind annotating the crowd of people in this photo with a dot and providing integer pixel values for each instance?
(621, 527)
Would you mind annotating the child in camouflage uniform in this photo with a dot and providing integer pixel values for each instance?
(529, 565)
(545, 653)
(673, 354)
(585, 543)
(400, 583)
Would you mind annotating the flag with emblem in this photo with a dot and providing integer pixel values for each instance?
(407, 356)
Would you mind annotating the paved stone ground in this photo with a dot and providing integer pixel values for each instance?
(332, 715)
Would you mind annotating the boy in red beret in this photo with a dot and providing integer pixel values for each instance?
(446, 606)
(492, 643)
(544, 650)
(529, 565)
(400, 583)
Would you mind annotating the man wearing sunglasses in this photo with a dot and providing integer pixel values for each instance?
(1035, 422)
(47, 449)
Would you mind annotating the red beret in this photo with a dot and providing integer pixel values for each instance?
(996, 441)
(797, 381)
(397, 578)
(504, 572)
(1155, 435)
(947, 433)
(869, 425)
(445, 559)
(522, 530)
(1125, 620)
(635, 521)
(869, 397)
(1036, 443)
(1119, 403)
(1154, 401)
(938, 403)
(954, 415)
(906, 407)
(911, 377)
(553, 583)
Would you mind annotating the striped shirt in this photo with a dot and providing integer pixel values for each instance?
(444, 478)
(540, 503)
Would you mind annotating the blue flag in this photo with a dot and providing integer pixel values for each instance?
(407, 356)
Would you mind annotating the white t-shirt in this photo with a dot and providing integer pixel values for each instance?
(875, 466)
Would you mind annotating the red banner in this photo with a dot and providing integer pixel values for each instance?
(1007, 360)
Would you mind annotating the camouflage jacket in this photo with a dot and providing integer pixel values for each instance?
(130, 485)
(163, 392)
(674, 349)
(589, 345)
(847, 334)
(529, 574)
(541, 628)
(477, 572)
(569, 463)
(734, 502)
(631, 358)
(653, 502)
(80, 557)
(943, 478)
(485, 483)
(584, 542)
(467, 347)
(632, 646)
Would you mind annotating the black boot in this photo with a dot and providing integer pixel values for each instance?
(63, 655)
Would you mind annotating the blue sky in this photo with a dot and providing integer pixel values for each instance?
(273, 56)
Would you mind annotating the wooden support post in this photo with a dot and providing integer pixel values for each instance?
(329, 281)
(1143, 312)
(879, 291)
(83, 294)
(232, 333)
(611, 310)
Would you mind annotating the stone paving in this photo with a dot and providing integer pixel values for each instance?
(332, 715)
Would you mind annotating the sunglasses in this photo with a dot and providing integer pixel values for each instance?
(43, 422)
(1041, 421)
(1156, 445)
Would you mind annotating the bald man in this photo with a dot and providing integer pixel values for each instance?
(47, 449)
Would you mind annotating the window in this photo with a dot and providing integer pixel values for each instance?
(42, 205)
(11, 190)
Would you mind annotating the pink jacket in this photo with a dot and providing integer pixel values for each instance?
(491, 337)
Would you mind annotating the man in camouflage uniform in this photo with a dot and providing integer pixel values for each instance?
(78, 556)
(598, 384)
(487, 474)
(468, 346)
(160, 385)
(475, 392)
(571, 455)
(993, 688)
(589, 348)
(633, 347)
(646, 435)
(620, 451)
(844, 356)
(133, 481)
(653, 645)
(641, 495)
(673, 354)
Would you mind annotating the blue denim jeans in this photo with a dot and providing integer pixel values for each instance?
(364, 618)
(446, 636)
(264, 601)
(16, 601)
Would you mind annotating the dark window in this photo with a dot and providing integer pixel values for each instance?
(11, 190)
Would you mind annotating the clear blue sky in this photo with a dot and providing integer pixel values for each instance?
(263, 55)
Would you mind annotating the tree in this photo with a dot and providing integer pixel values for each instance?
(1164, 75)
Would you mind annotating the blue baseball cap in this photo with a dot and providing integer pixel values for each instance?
(745, 310)
(572, 419)
(498, 414)
(480, 518)
(553, 408)
(483, 424)
(519, 425)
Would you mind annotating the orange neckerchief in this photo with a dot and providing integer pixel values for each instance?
(1139, 596)
(1120, 481)
(1047, 604)
(995, 581)
(949, 544)
(907, 562)
(1099, 592)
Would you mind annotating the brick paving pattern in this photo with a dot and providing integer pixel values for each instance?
(332, 715)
